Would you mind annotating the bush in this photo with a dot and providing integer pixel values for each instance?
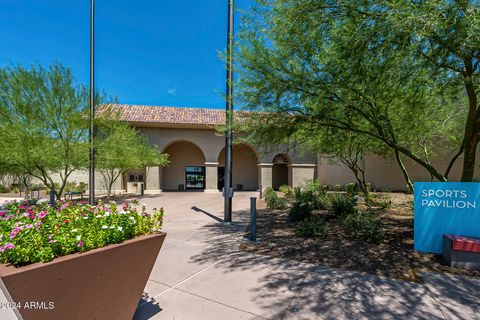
(351, 189)
(317, 200)
(311, 227)
(273, 200)
(40, 232)
(341, 205)
(338, 187)
(3, 189)
(385, 202)
(299, 211)
(286, 190)
(312, 185)
(325, 188)
(366, 226)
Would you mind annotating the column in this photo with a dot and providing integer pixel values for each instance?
(265, 175)
(300, 173)
(211, 177)
(152, 180)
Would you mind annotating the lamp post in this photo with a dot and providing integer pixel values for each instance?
(228, 191)
(91, 177)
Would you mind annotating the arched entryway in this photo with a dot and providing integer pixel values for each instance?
(245, 168)
(280, 170)
(186, 170)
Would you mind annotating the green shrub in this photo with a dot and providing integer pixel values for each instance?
(273, 201)
(385, 202)
(286, 190)
(325, 188)
(351, 189)
(338, 187)
(3, 189)
(313, 226)
(366, 226)
(341, 205)
(312, 185)
(299, 211)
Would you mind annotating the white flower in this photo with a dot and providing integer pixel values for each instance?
(74, 230)
(104, 227)
(98, 216)
(122, 212)
(107, 214)
(85, 217)
(78, 238)
(120, 229)
(112, 227)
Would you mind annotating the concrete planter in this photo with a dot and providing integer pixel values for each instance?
(105, 283)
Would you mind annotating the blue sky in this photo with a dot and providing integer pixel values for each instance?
(152, 52)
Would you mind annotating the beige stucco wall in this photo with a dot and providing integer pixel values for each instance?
(181, 154)
(279, 175)
(245, 168)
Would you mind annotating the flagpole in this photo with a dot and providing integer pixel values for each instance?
(91, 177)
(228, 190)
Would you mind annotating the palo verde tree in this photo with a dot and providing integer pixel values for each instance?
(43, 123)
(310, 65)
(119, 147)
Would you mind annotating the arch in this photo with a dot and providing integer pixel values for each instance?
(187, 166)
(280, 170)
(245, 167)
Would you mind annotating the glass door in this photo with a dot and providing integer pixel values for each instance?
(194, 177)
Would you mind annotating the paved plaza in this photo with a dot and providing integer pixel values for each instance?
(201, 274)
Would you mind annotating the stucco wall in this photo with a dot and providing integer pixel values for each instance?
(245, 169)
(181, 154)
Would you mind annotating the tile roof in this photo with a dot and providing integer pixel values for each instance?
(166, 115)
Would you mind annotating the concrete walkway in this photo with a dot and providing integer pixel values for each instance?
(201, 274)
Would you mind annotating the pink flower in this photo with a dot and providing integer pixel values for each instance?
(2, 213)
(52, 241)
(22, 206)
(9, 217)
(64, 206)
(29, 226)
(42, 214)
(37, 224)
(80, 243)
(125, 206)
(15, 232)
(7, 246)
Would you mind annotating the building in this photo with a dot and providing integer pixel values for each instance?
(196, 154)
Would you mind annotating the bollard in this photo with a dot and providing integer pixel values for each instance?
(142, 191)
(253, 219)
(261, 191)
(52, 197)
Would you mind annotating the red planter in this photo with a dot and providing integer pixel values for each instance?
(105, 283)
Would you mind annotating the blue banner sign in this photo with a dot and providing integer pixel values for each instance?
(444, 208)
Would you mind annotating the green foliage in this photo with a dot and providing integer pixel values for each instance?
(366, 226)
(312, 185)
(367, 68)
(299, 211)
(121, 148)
(351, 189)
(384, 201)
(311, 227)
(317, 200)
(39, 233)
(338, 187)
(273, 200)
(286, 190)
(341, 205)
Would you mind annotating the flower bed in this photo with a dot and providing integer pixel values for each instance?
(41, 232)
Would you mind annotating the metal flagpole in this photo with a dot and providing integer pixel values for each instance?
(228, 190)
(91, 178)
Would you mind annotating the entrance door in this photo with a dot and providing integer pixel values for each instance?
(221, 178)
(194, 177)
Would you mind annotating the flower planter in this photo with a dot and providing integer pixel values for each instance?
(104, 283)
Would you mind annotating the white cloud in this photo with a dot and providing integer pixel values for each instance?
(172, 91)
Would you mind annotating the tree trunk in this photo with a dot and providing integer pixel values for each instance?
(472, 126)
(404, 171)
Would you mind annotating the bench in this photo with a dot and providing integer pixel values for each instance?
(73, 193)
(461, 251)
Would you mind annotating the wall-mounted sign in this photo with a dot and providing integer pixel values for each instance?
(444, 207)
